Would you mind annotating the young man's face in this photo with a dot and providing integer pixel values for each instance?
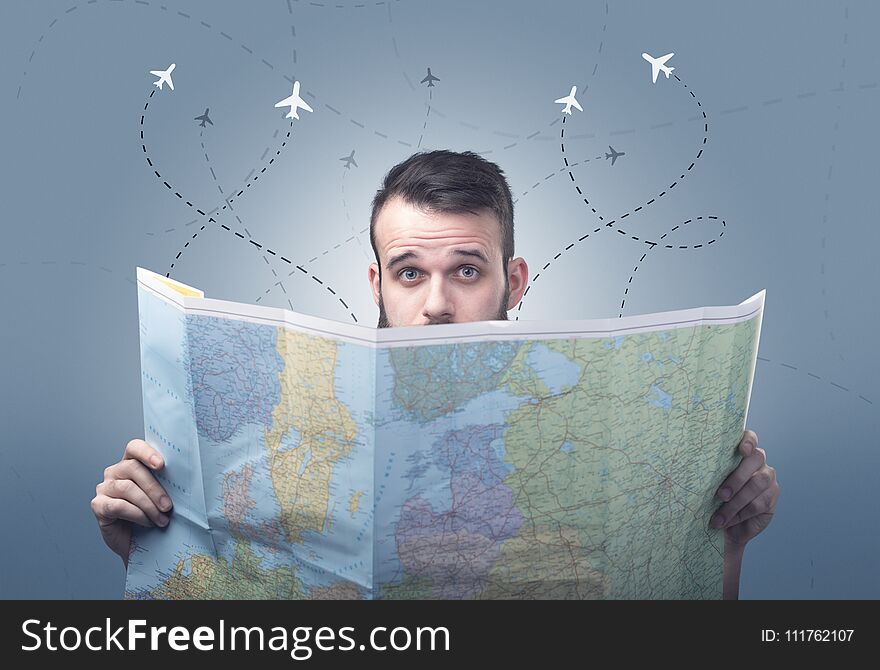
(442, 268)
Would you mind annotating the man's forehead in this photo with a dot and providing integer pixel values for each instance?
(400, 225)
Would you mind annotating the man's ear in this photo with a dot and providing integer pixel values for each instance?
(518, 278)
(373, 275)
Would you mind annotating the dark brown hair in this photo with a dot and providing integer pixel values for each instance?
(449, 182)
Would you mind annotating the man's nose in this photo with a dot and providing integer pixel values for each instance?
(438, 305)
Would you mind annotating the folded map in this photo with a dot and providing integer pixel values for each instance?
(309, 458)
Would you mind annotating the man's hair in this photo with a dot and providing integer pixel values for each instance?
(449, 182)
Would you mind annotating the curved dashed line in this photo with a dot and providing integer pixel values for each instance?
(872, 85)
(211, 211)
(670, 246)
(818, 378)
(553, 174)
(668, 188)
(208, 161)
(237, 217)
(418, 145)
(341, 244)
(246, 49)
(355, 237)
(252, 178)
(75, 264)
(211, 219)
(292, 30)
(611, 223)
(864, 86)
(586, 86)
(358, 5)
(536, 134)
(427, 114)
(396, 52)
(828, 321)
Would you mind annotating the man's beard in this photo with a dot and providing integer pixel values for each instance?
(500, 315)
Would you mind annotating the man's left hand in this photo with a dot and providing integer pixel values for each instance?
(751, 493)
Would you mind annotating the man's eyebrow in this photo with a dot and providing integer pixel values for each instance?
(405, 256)
(475, 253)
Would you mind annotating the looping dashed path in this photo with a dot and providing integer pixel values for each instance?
(232, 41)
(671, 246)
(612, 223)
(211, 219)
(356, 236)
(234, 213)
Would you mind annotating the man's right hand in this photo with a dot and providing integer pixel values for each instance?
(130, 493)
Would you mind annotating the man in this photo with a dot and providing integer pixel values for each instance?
(442, 233)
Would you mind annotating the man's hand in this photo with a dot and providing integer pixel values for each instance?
(751, 493)
(130, 493)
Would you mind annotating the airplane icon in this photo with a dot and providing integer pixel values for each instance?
(570, 100)
(349, 159)
(164, 77)
(658, 64)
(294, 101)
(614, 155)
(430, 78)
(203, 118)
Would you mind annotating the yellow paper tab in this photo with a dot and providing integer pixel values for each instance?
(183, 289)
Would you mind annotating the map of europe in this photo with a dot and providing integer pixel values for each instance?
(529, 461)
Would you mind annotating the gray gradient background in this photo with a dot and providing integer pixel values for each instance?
(790, 165)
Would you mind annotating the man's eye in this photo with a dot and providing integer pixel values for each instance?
(409, 274)
(469, 272)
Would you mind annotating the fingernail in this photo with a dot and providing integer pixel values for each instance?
(749, 447)
(718, 521)
(156, 461)
(724, 493)
(165, 503)
(163, 520)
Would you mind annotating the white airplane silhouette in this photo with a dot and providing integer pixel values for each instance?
(657, 64)
(570, 100)
(164, 77)
(293, 102)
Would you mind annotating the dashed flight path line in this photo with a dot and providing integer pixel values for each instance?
(418, 145)
(211, 219)
(865, 86)
(427, 115)
(350, 238)
(219, 188)
(237, 217)
(228, 201)
(353, 237)
(817, 378)
(292, 30)
(536, 135)
(558, 172)
(670, 246)
(636, 210)
(229, 38)
(828, 187)
(430, 107)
